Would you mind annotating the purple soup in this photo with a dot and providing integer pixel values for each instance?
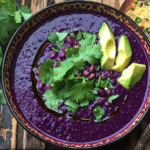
(68, 127)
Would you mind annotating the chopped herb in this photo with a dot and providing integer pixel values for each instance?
(79, 35)
(99, 81)
(137, 20)
(111, 98)
(52, 38)
(98, 67)
(46, 74)
(61, 35)
(146, 4)
(2, 98)
(95, 91)
(56, 39)
(147, 19)
(106, 83)
(98, 112)
(147, 30)
(56, 50)
(72, 35)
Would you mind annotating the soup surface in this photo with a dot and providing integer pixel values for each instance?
(73, 129)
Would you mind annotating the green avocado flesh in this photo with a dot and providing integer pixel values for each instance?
(124, 54)
(131, 75)
(107, 41)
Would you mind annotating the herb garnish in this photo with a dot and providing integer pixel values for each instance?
(46, 73)
(74, 91)
(106, 83)
(147, 30)
(79, 35)
(146, 4)
(111, 98)
(137, 20)
(98, 112)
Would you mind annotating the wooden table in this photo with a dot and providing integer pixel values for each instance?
(13, 136)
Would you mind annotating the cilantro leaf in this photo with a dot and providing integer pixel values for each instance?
(111, 98)
(90, 52)
(55, 39)
(61, 35)
(72, 104)
(71, 51)
(79, 35)
(2, 98)
(95, 91)
(98, 112)
(59, 73)
(89, 38)
(18, 17)
(82, 91)
(25, 12)
(72, 109)
(84, 103)
(62, 88)
(137, 19)
(46, 73)
(52, 38)
(72, 35)
(51, 100)
(59, 44)
(1, 56)
(146, 4)
(147, 30)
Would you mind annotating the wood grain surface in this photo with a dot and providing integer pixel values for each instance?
(13, 136)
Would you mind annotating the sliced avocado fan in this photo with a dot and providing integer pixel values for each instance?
(107, 41)
(131, 75)
(124, 54)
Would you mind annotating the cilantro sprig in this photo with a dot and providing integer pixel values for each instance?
(98, 112)
(11, 17)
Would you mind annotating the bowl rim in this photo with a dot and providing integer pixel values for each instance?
(56, 144)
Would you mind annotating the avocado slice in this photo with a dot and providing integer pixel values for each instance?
(131, 75)
(107, 41)
(124, 54)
